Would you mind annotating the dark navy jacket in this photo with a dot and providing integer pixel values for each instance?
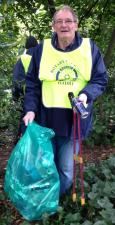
(18, 80)
(61, 120)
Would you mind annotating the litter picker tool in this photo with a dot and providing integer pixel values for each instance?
(78, 110)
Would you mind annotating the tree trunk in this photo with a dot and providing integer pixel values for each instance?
(110, 49)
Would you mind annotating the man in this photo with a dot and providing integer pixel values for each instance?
(19, 74)
(66, 63)
(21, 68)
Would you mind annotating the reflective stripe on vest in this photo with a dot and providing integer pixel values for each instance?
(26, 61)
(63, 72)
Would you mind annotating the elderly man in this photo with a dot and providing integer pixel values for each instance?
(65, 63)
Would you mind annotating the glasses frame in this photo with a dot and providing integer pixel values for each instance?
(67, 22)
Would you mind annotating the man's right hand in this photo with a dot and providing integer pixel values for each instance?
(29, 117)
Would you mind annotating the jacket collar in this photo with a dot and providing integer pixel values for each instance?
(77, 42)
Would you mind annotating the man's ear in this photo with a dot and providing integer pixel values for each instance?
(53, 29)
(76, 26)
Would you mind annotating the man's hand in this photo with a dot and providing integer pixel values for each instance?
(29, 117)
(83, 98)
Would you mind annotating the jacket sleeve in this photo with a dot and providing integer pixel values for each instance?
(18, 79)
(33, 85)
(99, 78)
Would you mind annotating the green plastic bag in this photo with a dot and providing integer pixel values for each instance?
(31, 179)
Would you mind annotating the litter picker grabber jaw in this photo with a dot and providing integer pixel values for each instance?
(79, 158)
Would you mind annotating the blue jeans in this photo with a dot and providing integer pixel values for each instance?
(63, 156)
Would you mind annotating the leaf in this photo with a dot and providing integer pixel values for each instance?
(111, 161)
(25, 223)
(87, 222)
(72, 218)
(2, 196)
(108, 215)
(100, 222)
(60, 209)
(92, 195)
(105, 203)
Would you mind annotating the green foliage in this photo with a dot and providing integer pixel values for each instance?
(7, 60)
(104, 117)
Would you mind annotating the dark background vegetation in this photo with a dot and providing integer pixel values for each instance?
(18, 19)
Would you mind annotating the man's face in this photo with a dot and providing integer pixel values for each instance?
(65, 25)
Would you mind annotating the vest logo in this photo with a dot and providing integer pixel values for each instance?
(64, 71)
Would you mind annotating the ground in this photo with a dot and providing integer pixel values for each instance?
(97, 154)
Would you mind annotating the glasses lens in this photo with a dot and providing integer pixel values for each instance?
(67, 22)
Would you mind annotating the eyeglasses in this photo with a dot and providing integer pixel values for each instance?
(67, 22)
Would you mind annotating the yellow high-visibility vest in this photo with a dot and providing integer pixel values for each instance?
(25, 58)
(63, 72)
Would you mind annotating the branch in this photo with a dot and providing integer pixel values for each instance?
(88, 11)
(101, 16)
(51, 7)
(6, 45)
